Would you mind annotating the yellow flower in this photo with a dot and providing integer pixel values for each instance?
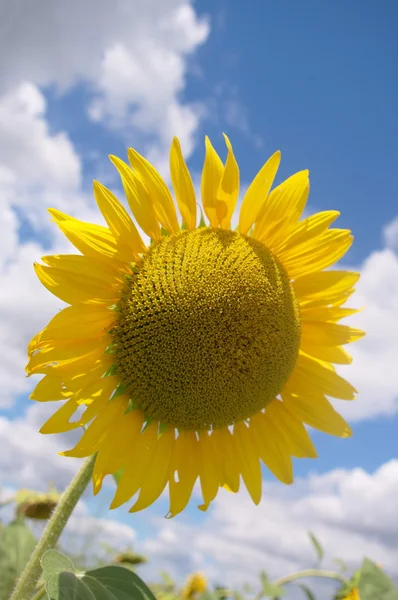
(353, 595)
(196, 584)
(207, 351)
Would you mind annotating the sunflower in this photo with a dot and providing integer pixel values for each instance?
(196, 584)
(208, 350)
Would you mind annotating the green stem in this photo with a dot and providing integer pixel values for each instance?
(55, 526)
(310, 573)
(41, 592)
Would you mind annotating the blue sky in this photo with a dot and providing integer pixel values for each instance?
(316, 80)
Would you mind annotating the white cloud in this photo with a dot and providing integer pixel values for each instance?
(374, 370)
(133, 56)
(134, 62)
(96, 538)
(390, 234)
(29, 459)
(237, 539)
(38, 168)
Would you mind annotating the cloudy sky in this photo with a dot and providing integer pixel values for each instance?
(81, 80)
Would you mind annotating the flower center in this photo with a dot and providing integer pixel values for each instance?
(208, 329)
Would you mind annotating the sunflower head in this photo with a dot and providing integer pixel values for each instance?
(130, 558)
(353, 594)
(36, 505)
(196, 584)
(206, 350)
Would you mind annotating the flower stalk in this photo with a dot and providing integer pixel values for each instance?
(55, 526)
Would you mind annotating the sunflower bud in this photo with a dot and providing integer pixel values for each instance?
(36, 505)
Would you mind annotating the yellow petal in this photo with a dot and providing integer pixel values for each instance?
(158, 191)
(182, 184)
(184, 465)
(60, 352)
(313, 377)
(325, 313)
(100, 388)
(332, 354)
(115, 451)
(90, 240)
(59, 421)
(317, 412)
(271, 449)
(157, 473)
(138, 198)
(228, 192)
(248, 459)
(96, 431)
(305, 236)
(96, 397)
(212, 173)
(72, 287)
(282, 209)
(110, 273)
(118, 220)
(325, 251)
(328, 334)
(208, 472)
(226, 449)
(34, 344)
(304, 233)
(48, 389)
(78, 322)
(326, 284)
(257, 193)
(67, 360)
(142, 451)
(91, 372)
(291, 429)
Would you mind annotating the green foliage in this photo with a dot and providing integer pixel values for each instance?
(106, 583)
(341, 564)
(374, 584)
(54, 564)
(308, 593)
(270, 590)
(318, 548)
(61, 580)
(16, 545)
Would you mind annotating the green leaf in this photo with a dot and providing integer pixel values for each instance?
(209, 595)
(54, 564)
(119, 391)
(307, 591)
(374, 584)
(318, 548)
(111, 349)
(107, 583)
(341, 563)
(112, 370)
(16, 545)
(270, 589)
(118, 583)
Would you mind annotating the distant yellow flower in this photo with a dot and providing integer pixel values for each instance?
(196, 584)
(353, 595)
(208, 350)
